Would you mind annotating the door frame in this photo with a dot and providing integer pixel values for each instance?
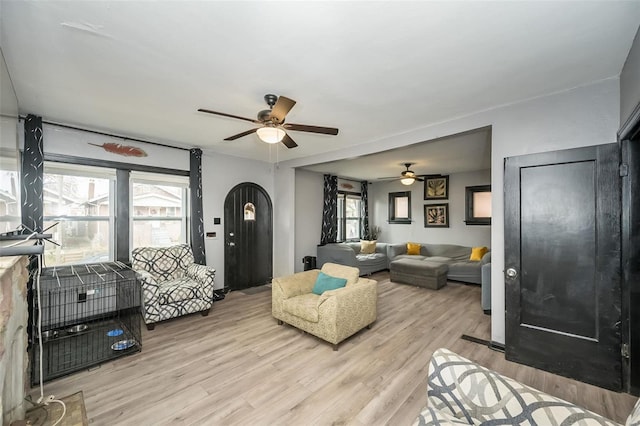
(226, 251)
(629, 144)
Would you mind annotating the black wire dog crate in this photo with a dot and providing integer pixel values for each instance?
(89, 314)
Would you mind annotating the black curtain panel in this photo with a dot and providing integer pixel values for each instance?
(364, 210)
(32, 172)
(197, 219)
(330, 210)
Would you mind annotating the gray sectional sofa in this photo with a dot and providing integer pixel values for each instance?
(456, 258)
(349, 254)
(460, 268)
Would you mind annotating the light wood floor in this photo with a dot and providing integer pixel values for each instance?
(237, 366)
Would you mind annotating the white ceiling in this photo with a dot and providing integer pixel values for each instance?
(373, 70)
(440, 156)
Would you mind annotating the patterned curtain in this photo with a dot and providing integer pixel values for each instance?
(364, 210)
(197, 219)
(330, 210)
(32, 173)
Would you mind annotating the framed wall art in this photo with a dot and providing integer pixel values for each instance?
(436, 215)
(436, 187)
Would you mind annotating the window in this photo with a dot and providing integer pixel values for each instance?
(79, 200)
(349, 216)
(80, 204)
(159, 209)
(400, 207)
(478, 205)
(9, 192)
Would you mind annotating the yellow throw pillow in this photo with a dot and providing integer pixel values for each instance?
(478, 252)
(413, 248)
(367, 247)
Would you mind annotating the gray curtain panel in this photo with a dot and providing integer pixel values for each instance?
(330, 210)
(197, 219)
(364, 210)
(32, 173)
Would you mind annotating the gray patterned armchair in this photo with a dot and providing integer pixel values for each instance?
(461, 392)
(172, 284)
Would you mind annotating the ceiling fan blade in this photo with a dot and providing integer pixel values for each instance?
(311, 129)
(288, 142)
(281, 108)
(208, 111)
(239, 135)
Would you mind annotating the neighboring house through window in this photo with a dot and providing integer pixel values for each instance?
(159, 209)
(9, 193)
(79, 199)
(82, 201)
(349, 215)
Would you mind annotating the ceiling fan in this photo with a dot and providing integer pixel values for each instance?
(272, 127)
(407, 177)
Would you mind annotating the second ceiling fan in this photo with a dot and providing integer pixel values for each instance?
(407, 177)
(273, 128)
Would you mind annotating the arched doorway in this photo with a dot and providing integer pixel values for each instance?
(248, 237)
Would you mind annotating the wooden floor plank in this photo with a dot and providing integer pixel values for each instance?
(238, 366)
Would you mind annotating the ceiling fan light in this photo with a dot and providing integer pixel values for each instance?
(270, 134)
(407, 181)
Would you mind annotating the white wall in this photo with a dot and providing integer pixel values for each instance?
(284, 224)
(220, 173)
(8, 112)
(630, 81)
(78, 143)
(309, 192)
(583, 116)
(457, 233)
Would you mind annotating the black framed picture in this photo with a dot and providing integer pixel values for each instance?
(436, 187)
(436, 215)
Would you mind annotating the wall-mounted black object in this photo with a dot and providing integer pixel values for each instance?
(309, 262)
(216, 221)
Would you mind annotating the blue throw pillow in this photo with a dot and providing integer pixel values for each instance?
(326, 282)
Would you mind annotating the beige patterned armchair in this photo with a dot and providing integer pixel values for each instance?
(335, 314)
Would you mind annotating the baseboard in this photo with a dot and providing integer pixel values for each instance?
(475, 340)
(496, 346)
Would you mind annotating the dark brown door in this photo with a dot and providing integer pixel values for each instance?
(248, 233)
(562, 263)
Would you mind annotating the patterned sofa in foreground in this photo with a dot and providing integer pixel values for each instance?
(461, 392)
(172, 284)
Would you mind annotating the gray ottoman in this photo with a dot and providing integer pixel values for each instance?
(422, 273)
